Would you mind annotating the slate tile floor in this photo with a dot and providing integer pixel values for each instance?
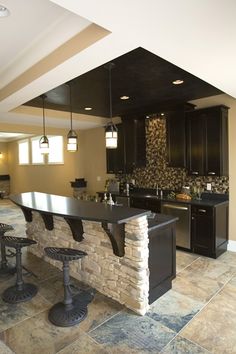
(197, 316)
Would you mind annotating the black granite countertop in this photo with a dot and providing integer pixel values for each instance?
(76, 209)
(208, 199)
(156, 221)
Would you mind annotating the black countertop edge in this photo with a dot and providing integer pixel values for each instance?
(70, 207)
(159, 221)
(206, 201)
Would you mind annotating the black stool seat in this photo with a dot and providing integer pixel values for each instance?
(5, 268)
(20, 291)
(13, 241)
(64, 254)
(72, 310)
(4, 228)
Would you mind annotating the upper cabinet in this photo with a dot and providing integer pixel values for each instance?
(135, 143)
(175, 138)
(116, 157)
(207, 141)
(131, 149)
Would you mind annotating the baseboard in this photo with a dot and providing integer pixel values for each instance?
(231, 246)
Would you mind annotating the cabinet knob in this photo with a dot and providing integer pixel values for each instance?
(211, 173)
(192, 217)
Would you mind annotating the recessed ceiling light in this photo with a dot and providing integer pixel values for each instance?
(88, 108)
(4, 12)
(124, 97)
(177, 82)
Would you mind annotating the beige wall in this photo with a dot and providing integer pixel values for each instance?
(53, 179)
(4, 160)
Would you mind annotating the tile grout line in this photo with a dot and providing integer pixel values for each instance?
(188, 265)
(108, 319)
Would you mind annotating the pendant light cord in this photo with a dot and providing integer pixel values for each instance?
(70, 107)
(110, 97)
(43, 98)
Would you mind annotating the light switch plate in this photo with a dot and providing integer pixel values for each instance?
(208, 186)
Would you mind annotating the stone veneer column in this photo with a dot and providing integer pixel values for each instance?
(125, 279)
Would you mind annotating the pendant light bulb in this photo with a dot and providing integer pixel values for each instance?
(111, 133)
(72, 137)
(43, 142)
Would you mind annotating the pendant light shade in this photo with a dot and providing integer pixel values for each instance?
(72, 138)
(111, 134)
(43, 142)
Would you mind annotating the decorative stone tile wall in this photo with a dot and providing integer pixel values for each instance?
(125, 279)
(158, 172)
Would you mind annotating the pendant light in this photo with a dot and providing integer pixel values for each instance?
(72, 138)
(111, 134)
(43, 142)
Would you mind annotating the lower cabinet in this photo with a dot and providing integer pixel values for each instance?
(162, 260)
(146, 203)
(209, 230)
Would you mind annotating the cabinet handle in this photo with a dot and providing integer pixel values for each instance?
(211, 173)
(202, 210)
(194, 173)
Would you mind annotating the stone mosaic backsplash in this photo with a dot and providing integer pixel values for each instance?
(157, 172)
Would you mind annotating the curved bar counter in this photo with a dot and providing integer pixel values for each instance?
(74, 211)
(131, 271)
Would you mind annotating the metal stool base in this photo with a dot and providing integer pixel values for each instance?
(7, 270)
(60, 316)
(13, 295)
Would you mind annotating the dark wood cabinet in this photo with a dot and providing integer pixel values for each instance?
(209, 229)
(207, 141)
(135, 143)
(162, 259)
(116, 157)
(175, 138)
(131, 149)
(149, 203)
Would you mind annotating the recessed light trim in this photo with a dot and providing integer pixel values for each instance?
(4, 12)
(178, 82)
(124, 97)
(87, 108)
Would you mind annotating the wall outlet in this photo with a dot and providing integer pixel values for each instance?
(98, 178)
(208, 186)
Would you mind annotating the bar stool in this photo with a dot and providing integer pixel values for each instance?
(20, 291)
(73, 309)
(5, 268)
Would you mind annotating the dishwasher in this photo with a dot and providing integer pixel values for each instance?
(183, 225)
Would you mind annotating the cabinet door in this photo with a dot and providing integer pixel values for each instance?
(135, 143)
(115, 157)
(175, 139)
(216, 161)
(203, 240)
(195, 143)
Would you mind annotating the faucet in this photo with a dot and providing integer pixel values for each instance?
(157, 189)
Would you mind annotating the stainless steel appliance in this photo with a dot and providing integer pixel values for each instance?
(183, 225)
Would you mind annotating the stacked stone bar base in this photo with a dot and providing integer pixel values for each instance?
(124, 279)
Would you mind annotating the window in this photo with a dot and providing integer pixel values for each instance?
(37, 157)
(23, 152)
(55, 149)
